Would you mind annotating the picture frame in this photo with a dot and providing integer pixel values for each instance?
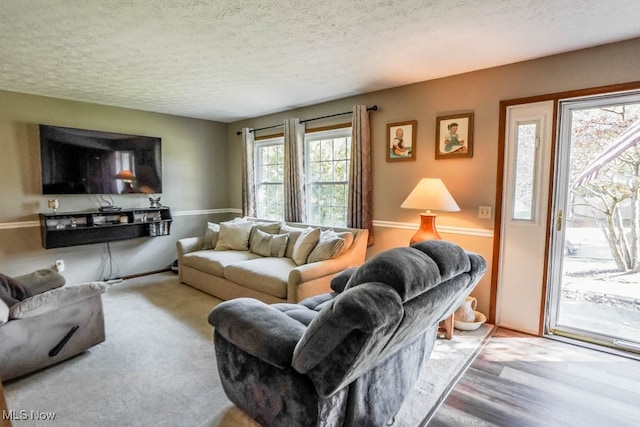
(401, 141)
(458, 144)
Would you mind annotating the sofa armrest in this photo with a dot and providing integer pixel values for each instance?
(54, 299)
(258, 329)
(316, 270)
(189, 244)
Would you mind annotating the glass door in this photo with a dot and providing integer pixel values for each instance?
(594, 286)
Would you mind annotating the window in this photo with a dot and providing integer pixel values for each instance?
(326, 170)
(327, 155)
(526, 146)
(269, 176)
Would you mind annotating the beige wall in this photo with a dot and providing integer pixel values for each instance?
(472, 182)
(194, 166)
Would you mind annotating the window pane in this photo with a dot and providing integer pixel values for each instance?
(314, 151)
(339, 215)
(315, 194)
(325, 195)
(340, 195)
(314, 169)
(327, 149)
(526, 139)
(315, 215)
(262, 173)
(340, 149)
(341, 169)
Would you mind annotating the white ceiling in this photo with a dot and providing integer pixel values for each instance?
(226, 60)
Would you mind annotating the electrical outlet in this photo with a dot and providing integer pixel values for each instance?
(60, 265)
(484, 212)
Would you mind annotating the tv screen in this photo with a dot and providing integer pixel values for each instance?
(83, 161)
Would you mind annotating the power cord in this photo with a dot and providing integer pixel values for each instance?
(109, 258)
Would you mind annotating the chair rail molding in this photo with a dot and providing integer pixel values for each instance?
(18, 224)
(479, 232)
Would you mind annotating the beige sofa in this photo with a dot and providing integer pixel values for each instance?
(228, 274)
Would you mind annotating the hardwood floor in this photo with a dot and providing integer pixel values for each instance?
(519, 380)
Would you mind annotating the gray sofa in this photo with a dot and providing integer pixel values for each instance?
(228, 274)
(49, 323)
(349, 357)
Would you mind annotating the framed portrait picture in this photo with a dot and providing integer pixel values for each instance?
(401, 141)
(454, 136)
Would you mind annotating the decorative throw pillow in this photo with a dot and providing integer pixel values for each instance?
(211, 235)
(271, 245)
(330, 245)
(294, 233)
(234, 235)
(267, 227)
(305, 244)
(12, 291)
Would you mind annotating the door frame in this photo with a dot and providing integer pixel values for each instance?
(497, 226)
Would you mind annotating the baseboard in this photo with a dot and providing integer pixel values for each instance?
(133, 276)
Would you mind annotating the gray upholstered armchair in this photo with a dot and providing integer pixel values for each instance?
(349, 357)
(43, 322)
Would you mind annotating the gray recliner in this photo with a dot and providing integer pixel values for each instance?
(49, 323)
(349, 357)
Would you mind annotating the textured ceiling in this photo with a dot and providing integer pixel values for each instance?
(227, 60)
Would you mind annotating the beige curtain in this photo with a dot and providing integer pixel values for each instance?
(359, 211)
(248, 174)
(294, 192)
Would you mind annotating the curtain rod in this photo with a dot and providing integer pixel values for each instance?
(373, 108)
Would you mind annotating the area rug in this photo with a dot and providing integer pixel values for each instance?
(157, 367)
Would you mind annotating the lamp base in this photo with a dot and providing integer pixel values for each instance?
(427, 230)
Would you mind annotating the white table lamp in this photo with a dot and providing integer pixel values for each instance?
(431, 195)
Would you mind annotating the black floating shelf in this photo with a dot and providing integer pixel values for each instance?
(63, 229)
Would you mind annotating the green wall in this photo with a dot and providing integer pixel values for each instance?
(194, 171)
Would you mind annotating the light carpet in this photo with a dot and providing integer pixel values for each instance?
(157, 367)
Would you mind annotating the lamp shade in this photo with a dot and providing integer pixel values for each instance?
(432, 195)
(126, 175)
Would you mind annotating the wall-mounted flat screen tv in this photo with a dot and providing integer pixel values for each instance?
(84, 161)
